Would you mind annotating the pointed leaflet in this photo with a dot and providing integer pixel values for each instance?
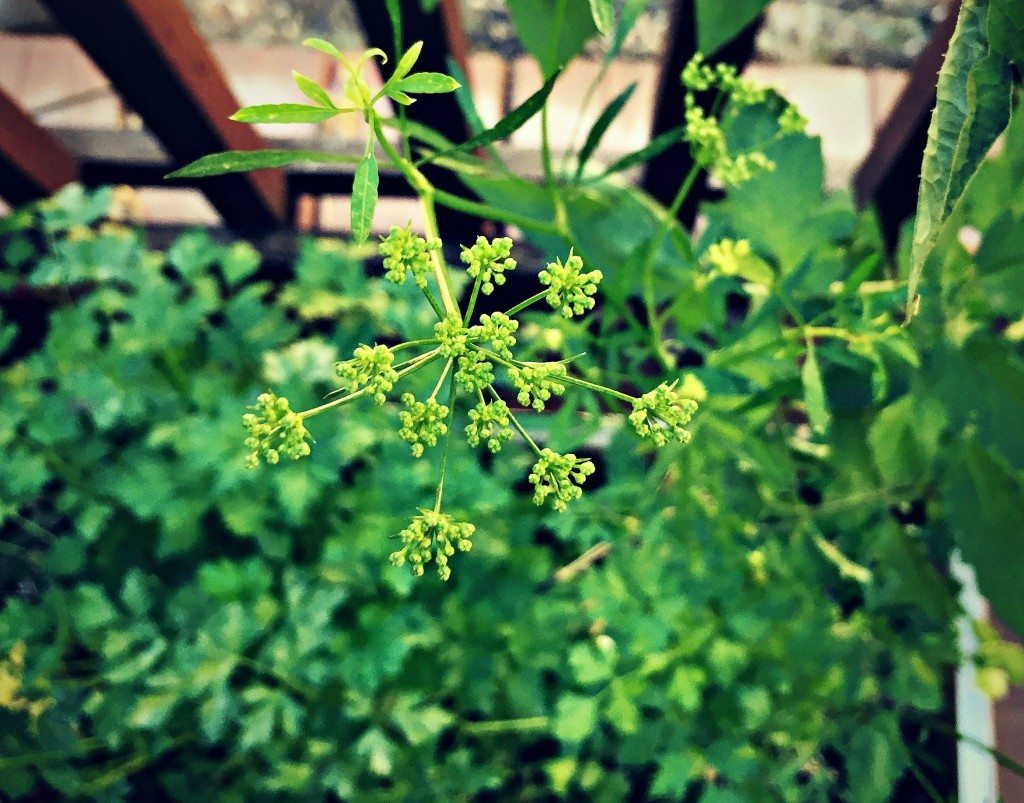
(656, 146)
(364, 197)
(324, 47)
(629, 14)
(972, 107)
(284, 113)
(217, 164)
(312, 90)
(814, 391)
(512, 122)
(603, 13)
(426, 83)
(611, 111)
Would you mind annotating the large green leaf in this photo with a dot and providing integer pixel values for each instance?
(217, 164)
(553, 31)
(719, 23)
(972, 108)
(1006, 29)
(985, 512)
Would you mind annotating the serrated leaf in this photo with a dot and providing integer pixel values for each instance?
(312, 90)
(603, 14)
(597, 131)
(972, 108)
(364, 197)
(505, 127)
(217, 164)
(427, 83)
(284, 113)
(814, 391)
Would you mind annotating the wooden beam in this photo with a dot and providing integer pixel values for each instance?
(33, 163)
(890, 174)
(164, 70)
(664, 174)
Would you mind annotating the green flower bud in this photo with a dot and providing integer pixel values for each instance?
(488, 261)
(475, 371)
(452, 336)
(791, 121)
(735, 171)
(559, 477)
(728, 255)
(697, 75)
(707, 141)
(422, 423)
(432, 536)
(490, 423)
(371, 367)
(498, 331)
(662, 415)
(537, 382)
(405, 252)
(571, 290)
(274, 431)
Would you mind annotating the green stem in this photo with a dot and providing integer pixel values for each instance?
(472, 301)
(426, 191)
(488, 212)
(515, 422)
(408, 344)
(440, 381)
(447, 446)
(412, 365)
(507, 725)
(583, 383)
(524, 304)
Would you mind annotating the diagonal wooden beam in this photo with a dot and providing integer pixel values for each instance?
(890, 174)
(164, 70)
(33, 163)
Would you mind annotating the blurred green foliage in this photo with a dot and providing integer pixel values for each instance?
(762, 615)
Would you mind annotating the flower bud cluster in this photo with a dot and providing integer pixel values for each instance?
(489, 422)
(274, 430)
(559, 476)
(728, 255)
(370, 367)
(405, 253)
(737, 170)
(432, 536)
(570, 289)
(537, 382)
(422, 423)
(498, 331)
(488, 261)
(452, 337)
(475, 371)
(662, 415)
(791, 121)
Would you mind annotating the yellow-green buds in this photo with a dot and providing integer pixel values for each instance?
(432, 536)
(488, 261)
(489, 422)
(791, 121)
(571, 290)
(662, 415)
(475, 371)
(452, 336)
(370, 367)
(274, 430)
(537, 382)
(559, 476)
(405, 253)
(422, 423)
(697, 75)
(727, 255)
(498, 331)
